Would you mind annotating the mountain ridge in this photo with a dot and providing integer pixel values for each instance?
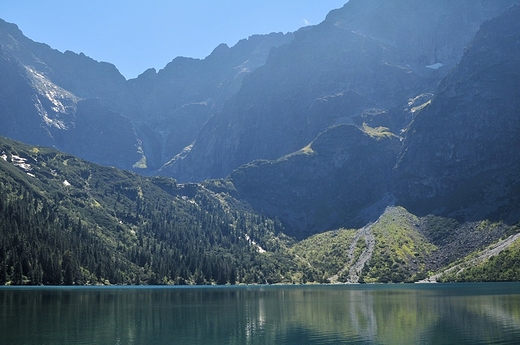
(157, 105)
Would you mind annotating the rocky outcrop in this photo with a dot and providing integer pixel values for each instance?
(32, 108)
(326, 184)
(42, 93)
(77, 73)
(103, 135)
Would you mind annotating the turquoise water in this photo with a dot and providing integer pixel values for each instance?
(354, 314)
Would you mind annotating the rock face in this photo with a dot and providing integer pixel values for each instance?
(105, 136)
(76, 73)
(459, 158)
(41, 101)
(265, 97)
(461, 151)
(425, 32)
(368, 58)
(170, 107)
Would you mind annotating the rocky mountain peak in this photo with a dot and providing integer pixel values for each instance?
(429, 32)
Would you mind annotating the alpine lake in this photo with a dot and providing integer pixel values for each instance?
(479, 313)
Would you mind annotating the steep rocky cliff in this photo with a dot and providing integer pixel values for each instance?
(170, 107)
(426, 32)
(41, 101)
(76, 73)
(461, 152)
(460, 157)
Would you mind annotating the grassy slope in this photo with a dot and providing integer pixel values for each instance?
(401, 250)
(399, 255)
(406, 250)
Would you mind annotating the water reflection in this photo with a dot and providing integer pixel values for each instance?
(404, 314)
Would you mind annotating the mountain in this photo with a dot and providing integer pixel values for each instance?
(460, 153)
(46, 99)
(369, 148)
(265, 97)
(76, 73)
(362, 64)
(456, 170)
(146, 121)
(169, 107)
(455, 159)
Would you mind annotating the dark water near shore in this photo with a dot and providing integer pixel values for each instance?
(360, 314)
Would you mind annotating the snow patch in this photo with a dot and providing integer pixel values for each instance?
(179, 156)
(59, 101)
(66, 183)
(21, 163)
(435, 66)
(253, 243)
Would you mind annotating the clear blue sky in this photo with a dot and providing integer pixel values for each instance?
(138, 34)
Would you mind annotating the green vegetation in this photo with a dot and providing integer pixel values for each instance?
(399, 255)
(400, 249)
(325, 254)
(377, 132)
(503, 267)
(64, 221)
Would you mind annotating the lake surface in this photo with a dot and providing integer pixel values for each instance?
(350, 314)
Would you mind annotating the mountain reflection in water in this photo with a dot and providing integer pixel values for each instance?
(360, 314)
